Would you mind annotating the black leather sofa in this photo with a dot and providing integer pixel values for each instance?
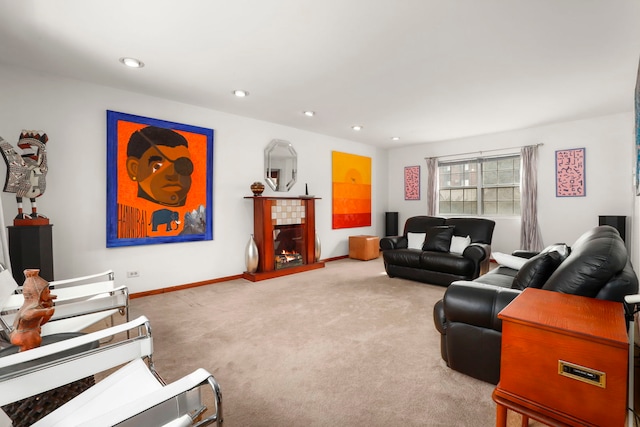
(439, 265)
(597, 266)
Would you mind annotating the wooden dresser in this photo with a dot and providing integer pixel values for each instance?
(564, 360)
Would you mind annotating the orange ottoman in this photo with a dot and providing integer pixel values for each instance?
(364, 247)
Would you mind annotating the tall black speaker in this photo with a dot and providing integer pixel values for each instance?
(617, 222)
(391, 224)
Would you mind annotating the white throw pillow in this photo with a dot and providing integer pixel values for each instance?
(416, 240)
(459, 244)
(510, 261)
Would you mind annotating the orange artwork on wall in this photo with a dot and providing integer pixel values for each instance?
(160, 180)
(351, 182)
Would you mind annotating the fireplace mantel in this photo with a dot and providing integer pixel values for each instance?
(270, 213)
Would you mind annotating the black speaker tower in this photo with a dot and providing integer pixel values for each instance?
(391, 224)
(617, 222)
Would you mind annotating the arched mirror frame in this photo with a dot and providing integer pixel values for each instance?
(280, 165)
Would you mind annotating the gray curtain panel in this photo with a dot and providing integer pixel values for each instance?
(432, 185)
(530, 238)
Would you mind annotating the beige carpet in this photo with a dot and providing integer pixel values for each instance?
(339, 346)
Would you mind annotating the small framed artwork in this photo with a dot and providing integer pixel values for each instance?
(412, 183)
(159, 181)
(570, 173)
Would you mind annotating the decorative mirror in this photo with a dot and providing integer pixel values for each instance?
(280, 165)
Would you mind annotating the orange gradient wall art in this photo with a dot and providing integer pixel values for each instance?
(351, 179)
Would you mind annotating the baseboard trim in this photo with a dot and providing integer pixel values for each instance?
(185, 286)
(336, 258)
(203, 283)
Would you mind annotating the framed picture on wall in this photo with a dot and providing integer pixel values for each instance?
(637, 111)
(351, 190)
(412, 183)
(570, 173)
(159, 181)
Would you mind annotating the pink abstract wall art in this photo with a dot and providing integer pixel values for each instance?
(412, 183)
(570, 173)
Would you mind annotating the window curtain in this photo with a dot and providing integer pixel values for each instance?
(432, 185)
(530, 238)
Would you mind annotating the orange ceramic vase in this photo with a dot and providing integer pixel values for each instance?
(36, 310)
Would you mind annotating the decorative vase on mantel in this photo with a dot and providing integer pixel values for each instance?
(257, 188)
(251, 256)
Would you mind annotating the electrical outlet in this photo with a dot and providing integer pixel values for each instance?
(132, 274)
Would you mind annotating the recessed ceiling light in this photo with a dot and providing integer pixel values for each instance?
(132, 62)
(309, 113)
(356, 127)
(395, 138)
(240, 93)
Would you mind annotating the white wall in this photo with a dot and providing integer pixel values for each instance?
(73, 114)
(609, 147)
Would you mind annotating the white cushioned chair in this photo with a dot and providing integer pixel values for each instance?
(134, 395)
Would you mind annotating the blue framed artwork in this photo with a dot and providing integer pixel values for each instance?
(159, 181)
(570, 173)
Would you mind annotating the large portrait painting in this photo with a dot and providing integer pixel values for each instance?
(570, 173)
(351, 182)
(159, 181)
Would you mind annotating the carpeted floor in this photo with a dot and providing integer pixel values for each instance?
(339, 346)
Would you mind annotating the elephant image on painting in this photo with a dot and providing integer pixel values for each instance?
(164, 216)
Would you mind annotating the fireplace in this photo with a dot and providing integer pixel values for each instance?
(288, 244)
(284, 232)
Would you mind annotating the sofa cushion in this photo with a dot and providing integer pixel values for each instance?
(535, 272)
(479, 229)
(420, 224)
(447, 263)
(514, 262)
(403, 257)
(459, 244)
(561, 248)
(416, 240)
(596, 257)
(501, 277)
(438, 239)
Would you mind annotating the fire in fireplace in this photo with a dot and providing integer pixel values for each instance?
(288, 244)
(288, 259)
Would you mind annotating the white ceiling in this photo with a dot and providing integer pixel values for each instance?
(423, 70)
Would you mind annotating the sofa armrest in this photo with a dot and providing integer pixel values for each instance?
(477, 252)
(480, 254)
(393, 242)
(477, 304)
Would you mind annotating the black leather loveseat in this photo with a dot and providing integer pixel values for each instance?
(434, 259)
(597, 266)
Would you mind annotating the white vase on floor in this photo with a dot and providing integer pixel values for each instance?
(251, 256)
(318, 248)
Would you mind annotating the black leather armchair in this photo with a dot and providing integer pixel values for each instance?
(471, 333)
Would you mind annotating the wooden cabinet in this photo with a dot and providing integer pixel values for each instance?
(564, 358)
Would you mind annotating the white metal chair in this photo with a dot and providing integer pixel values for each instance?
(81, 302)
(134, 395)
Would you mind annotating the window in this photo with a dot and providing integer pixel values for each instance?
(482, 186)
